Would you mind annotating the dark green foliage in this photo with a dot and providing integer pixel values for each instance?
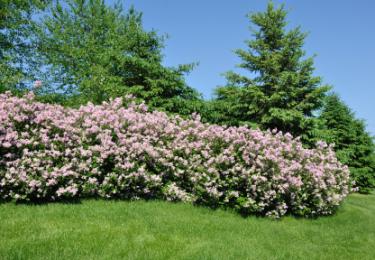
(353, 145)
(282, 93)
(94, 52)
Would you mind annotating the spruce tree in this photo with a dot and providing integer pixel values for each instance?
(353, 145)
(283, 93)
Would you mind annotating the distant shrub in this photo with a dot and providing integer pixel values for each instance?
(119, 150)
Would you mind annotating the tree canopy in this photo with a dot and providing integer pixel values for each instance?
(16, 49)
(282, 92)
(94, 52)
(354, 146)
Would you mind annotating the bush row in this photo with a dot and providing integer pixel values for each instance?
(119, 150)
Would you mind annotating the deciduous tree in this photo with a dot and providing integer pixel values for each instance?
(94, 52)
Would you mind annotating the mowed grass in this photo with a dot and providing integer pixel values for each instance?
(97, 229)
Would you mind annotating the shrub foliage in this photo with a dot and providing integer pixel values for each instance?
(119, 150)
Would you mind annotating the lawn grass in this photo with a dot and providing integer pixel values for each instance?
(97, 229)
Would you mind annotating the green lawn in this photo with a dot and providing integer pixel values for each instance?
(161, 230)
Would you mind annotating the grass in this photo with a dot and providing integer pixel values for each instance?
(97, 229)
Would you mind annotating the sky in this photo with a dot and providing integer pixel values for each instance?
(341, 35)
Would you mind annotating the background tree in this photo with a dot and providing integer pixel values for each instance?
(282, 93)
(354, 146)
(93, 52)
(16, 49)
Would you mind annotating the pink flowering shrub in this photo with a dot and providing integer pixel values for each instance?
(115, 150)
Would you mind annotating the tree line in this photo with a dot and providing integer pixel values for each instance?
(87, 51)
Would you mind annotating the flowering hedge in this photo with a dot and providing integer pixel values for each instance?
(119, 150)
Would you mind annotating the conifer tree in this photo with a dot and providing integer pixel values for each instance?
(354, 146)
(283, 93)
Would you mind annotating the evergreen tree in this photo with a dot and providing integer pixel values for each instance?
(282, 93)
(354, 146)
(94, 52)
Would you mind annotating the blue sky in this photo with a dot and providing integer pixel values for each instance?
(341, 34)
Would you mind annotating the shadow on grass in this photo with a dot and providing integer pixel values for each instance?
(243, 214)
(44, 202)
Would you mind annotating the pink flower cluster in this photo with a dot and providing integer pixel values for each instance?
(119, 150)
